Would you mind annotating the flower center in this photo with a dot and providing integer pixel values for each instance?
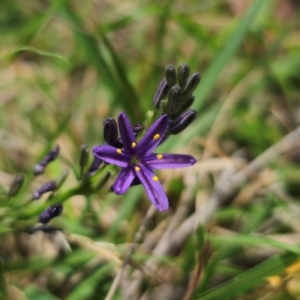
(134, 160)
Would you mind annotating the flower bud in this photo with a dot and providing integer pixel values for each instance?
(84, 156)
(173, 99)
(183, 73)
(161, 93)
(38, 169)
(170, 74)
(110, 131)
(183, 121)
(119, 143)
(191, 85)
(16, 185)
(137, 128)
(52, 155)
(95, 165)
(185, 105)
(47, 187)
(50, 213)
(163, 106)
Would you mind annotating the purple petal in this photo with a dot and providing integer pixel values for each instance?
(168, 161)
(123, 181)
(110, 155)
(153, 188)
(153, 136)
(126, 132)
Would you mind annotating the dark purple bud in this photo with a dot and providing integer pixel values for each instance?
(110, 131)
(170, 74)
(161, 93)
(95, 165)
(16, 185)
(47, 187)
(137, 128)
(84, 156)
(183, 121)
(173, 99)
(185, 104)
(191, 85)
(118, 143)
(183, 73)
(50, 213)
(52, 155)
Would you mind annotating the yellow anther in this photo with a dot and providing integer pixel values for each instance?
(119, 151)
(159, 156)
(137, 169)
(155, 178)
(133, 144)
(156, 137)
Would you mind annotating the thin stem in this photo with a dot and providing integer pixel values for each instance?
(137, 238)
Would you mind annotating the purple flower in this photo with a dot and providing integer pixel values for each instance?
(137, 159)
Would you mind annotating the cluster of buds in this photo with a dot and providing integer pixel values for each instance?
(50, 186)
(53, 210)
(174, 96)
(125, 149)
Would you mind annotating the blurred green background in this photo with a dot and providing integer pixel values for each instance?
(66, 65)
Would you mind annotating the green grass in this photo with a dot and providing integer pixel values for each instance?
(67, 65)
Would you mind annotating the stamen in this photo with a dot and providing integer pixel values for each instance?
(159, 156)
(156, 137)
(137, 169)
(155, 178)
(133, 144)
(119, 151)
